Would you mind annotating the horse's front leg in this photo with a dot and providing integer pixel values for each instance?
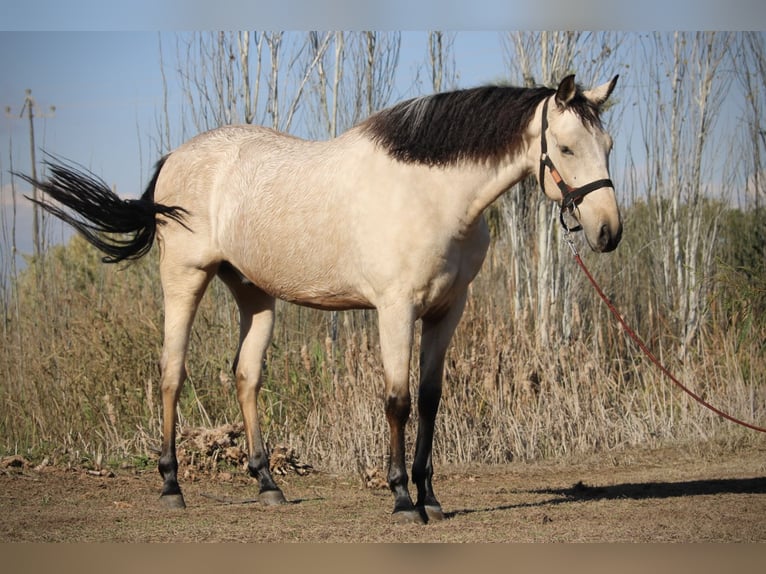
(396, 326)
(436, 337)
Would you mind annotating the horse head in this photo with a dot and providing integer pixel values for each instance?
(574, 162)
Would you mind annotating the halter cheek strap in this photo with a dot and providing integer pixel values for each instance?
(570, 196)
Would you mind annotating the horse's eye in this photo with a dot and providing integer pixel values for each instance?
(566, 150)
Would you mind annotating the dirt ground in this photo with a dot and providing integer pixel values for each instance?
(671, 495)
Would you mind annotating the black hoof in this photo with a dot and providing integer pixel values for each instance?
(173, 501)
(272, 498)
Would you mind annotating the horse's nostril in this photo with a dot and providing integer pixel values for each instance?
(608, 241)
(604, 237)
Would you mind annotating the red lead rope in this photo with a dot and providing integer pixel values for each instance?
(648, 353)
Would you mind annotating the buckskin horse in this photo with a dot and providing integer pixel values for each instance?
(387, 216)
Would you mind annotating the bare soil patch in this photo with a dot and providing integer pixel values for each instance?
(671, 495)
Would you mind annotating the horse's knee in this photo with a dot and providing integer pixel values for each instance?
(398, 407)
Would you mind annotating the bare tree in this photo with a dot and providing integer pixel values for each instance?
(204, 70)
(274, 43)
(251, 89)
(222, 73)
(679, 107)
(441, 60)
(323, 94)
(749, 65)
(374, 61)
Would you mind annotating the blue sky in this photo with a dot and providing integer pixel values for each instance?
(105, 88)
(107, 91)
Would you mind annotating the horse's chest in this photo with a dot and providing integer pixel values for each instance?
(437, 293)
(448, 275)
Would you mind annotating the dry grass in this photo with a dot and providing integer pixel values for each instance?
(81, 341)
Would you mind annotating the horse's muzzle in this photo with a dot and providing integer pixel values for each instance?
(607, 239)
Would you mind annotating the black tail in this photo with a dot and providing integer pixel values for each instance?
(88, 205)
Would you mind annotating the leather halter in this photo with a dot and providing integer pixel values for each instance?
(570, 196)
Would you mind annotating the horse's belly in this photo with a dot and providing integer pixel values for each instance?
(307, 285)
(336, 301)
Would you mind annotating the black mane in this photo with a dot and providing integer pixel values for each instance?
(476, 124)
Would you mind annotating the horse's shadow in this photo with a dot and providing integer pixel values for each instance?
(635, 491)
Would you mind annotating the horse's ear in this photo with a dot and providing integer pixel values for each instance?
(566, 91)
(599, 95)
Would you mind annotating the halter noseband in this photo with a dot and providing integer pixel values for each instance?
(570, 196)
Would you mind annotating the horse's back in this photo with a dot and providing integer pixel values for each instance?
(198, 164)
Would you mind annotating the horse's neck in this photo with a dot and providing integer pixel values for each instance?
(498, 180)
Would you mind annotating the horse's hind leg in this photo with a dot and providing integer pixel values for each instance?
(436, 337)
(182, 289)
(256, 312)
